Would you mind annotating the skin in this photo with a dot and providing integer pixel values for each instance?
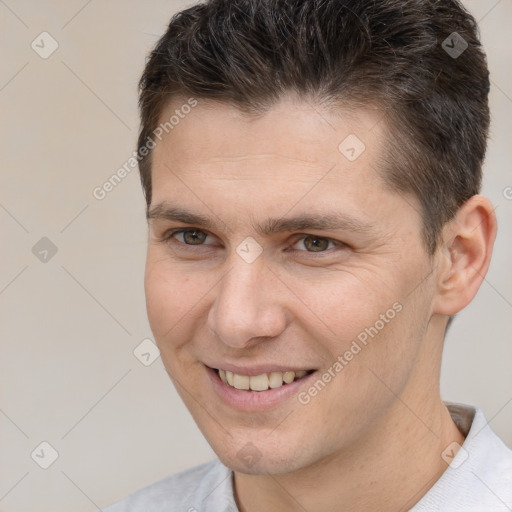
(372, 438)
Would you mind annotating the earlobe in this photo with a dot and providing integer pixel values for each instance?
(465, 255)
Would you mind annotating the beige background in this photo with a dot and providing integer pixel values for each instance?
(69, 326)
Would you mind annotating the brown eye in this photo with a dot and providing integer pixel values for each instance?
(193, 236)
(186, 237)
(315, 243)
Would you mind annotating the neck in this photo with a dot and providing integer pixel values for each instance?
(389, 469)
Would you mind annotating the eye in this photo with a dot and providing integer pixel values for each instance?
(314, 243)
(198, 237)
(188, 236)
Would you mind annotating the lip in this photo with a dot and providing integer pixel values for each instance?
(255, 400)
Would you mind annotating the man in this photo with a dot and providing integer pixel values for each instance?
(312, 170)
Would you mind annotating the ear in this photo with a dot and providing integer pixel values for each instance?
(464, 255)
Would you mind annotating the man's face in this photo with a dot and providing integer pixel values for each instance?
(254, 294)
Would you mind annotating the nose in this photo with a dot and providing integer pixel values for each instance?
(247, 304)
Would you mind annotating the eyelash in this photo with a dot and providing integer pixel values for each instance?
(171, 235)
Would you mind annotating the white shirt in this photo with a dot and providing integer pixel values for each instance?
(478, 479)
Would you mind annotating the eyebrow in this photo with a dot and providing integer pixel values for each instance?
(273, 225)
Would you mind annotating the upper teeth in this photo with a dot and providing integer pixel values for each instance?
(260, 382)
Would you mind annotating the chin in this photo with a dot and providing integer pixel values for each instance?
(258, 457)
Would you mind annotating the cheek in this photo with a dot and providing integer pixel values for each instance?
(169, 298)
(342, 305)
(371, 325)
(378, 346)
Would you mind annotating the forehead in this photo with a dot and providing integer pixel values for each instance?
(295, 138)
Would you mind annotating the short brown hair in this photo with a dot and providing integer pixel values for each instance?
(420, 60)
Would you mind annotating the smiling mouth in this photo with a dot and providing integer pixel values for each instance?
(261, 382)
